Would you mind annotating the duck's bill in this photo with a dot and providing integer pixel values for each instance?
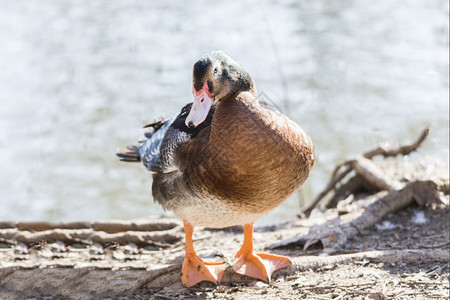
(203, 101)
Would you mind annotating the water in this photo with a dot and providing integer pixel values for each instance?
(79, 79)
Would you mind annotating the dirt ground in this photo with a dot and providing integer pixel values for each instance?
(358, 280)
(78, 271)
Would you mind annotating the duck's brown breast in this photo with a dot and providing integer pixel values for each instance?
(254, 157)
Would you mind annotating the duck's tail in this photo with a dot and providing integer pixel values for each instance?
(129, 154)
(147, 149)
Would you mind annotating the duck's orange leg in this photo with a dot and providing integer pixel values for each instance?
(194, 269)
(257, 265)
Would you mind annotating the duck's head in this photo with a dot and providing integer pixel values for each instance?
(216, 77)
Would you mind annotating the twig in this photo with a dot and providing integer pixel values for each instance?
(331, 185)
(435, 246)
(353, 291)
(161, 296)
(404, 150)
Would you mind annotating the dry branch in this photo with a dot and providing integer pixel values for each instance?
(393, 201)
(334, 234)
(365, 168)
(335, 179)
(369, 171)
(403, 150)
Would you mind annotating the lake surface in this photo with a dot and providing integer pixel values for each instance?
(80, 78)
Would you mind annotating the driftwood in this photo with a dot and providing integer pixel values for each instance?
(335, 236)
(157, 232)
(357, 211)
(111, 226)
(366, 169)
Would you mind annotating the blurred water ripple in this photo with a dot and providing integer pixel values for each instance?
(79, 78)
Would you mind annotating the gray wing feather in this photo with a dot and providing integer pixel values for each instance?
(150, 149)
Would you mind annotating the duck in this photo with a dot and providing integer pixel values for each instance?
(226, 159)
